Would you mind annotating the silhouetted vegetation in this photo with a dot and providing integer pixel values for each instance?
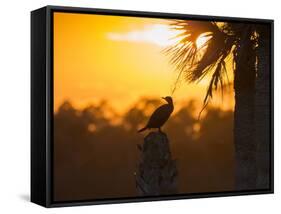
(96, 154)
(157, 171)
(246, 47)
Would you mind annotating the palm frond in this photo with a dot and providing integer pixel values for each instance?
(184, 53)
(195, 63)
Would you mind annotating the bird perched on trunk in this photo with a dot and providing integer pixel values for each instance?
(160, 115)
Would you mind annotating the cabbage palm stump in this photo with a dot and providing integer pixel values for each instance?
(157, 172)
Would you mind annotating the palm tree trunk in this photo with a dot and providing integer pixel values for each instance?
(244, 86)
(157, 172)
(262, 112)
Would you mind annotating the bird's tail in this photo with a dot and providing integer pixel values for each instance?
(141, 130)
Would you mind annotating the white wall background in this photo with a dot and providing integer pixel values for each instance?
(15, 105)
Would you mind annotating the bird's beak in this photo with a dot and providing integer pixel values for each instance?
(163, 98)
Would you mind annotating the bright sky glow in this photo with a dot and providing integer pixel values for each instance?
(93, 52)
(158, 34)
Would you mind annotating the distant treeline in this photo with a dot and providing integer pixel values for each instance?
(96, 157)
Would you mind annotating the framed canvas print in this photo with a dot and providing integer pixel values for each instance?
(133, 106)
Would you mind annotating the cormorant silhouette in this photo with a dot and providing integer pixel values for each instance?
(160, 115)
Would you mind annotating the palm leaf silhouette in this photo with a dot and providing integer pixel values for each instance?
(195, 63)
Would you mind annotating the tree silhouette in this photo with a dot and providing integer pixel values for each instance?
(262, 108)
(157, 172)
(239, 43)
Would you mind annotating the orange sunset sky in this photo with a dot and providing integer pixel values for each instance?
(118, 59)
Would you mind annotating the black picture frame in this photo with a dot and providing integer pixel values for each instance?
(42, 104)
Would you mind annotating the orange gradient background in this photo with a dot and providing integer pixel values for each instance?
(118, 59)
(109, 75)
